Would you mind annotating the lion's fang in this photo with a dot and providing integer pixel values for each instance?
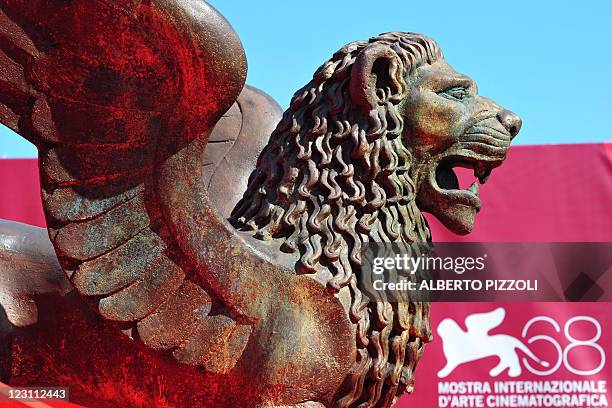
(474, 188)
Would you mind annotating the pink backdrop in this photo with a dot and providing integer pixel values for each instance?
(584, 347)
(541, 193)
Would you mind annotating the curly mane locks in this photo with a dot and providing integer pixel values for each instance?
(334, 176)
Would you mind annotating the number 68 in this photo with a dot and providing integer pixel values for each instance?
(562, 354)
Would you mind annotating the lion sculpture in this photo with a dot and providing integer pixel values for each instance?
(215, 284)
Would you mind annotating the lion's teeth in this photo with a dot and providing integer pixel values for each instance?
(474, 188)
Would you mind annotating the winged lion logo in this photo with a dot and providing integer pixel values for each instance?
(461, 346)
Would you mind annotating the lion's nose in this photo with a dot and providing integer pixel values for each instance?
(510, 120)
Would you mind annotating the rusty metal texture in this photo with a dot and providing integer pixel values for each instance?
(210, 243)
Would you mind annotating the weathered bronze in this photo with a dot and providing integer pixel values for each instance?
(212, 288)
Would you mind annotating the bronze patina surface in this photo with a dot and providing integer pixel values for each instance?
(209, 243)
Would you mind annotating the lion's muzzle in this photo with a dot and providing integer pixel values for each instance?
(511, 121)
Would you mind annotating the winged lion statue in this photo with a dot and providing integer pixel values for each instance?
(203, 247)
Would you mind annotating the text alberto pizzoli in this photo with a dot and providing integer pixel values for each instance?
(459, 265)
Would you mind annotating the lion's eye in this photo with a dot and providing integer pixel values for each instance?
(457, 93)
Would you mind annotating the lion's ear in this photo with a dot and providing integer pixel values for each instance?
(376, 77)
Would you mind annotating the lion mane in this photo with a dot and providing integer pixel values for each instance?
(333, 177)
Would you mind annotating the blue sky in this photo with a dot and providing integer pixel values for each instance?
(549, 61)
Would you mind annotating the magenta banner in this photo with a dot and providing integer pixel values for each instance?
(20, 192)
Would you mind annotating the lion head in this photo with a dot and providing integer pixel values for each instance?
(365, 148)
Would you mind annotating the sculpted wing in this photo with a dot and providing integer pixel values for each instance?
(120, 98)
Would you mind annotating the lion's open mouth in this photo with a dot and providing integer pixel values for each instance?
(448, 182)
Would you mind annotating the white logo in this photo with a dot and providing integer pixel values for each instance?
(465, 346)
